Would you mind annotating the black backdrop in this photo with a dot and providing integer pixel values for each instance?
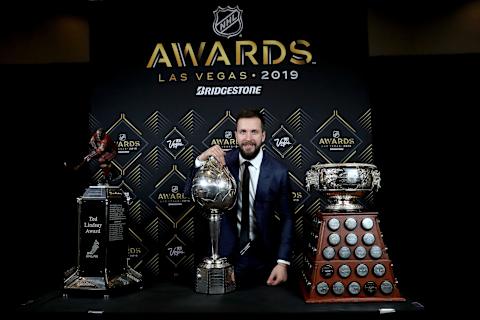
(407, 96)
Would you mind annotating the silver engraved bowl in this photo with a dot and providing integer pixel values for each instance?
(344, 183)
(214, 187)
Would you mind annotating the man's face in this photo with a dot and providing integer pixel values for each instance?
(249, 136)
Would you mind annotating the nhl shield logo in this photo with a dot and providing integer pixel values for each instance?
(228, 21)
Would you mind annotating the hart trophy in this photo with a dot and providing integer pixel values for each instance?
(214, 189)
(344, 183)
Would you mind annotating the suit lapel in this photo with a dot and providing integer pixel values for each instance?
(264, 178)
(233, 165)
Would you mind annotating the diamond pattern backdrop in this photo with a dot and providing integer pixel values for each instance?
(310, 86)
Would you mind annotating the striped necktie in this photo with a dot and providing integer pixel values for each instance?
(245, 223)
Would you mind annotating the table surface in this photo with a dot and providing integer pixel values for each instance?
(167, 298)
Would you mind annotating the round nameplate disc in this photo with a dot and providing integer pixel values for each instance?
(354, 288)
(333, 224)
(350, 223)
(334, 239)
(327, 271)
(379, 270)
(386, 287)
(375, 252)
(322, 288)
(344, 271)
(370, 288)
(344, 252)
(368, 238)
(351, 239)
(338, 288)
(328, 253)
(367, 223)
(360, 252)
(362, 270)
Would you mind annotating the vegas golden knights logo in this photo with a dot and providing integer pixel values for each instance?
(228, 21)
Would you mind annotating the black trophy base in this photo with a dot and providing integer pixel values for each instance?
(215, 276)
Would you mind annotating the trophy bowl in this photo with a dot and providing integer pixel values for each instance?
(344, 183)
(214, 187)
(215, 190)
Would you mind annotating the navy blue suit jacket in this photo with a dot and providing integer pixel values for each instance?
(274, 238)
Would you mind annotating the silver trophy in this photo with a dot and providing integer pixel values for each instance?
(215, 190)
(344, 183)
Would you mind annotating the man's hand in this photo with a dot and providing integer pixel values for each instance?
(215, 151)
(278, 275)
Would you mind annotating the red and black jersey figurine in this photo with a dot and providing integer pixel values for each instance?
(104, 149)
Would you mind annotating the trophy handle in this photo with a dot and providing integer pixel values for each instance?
(214, 223)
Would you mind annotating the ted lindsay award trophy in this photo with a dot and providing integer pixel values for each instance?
(214, 189)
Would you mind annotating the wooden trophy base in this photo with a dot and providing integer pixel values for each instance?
(347, 261)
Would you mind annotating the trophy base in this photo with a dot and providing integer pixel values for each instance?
(128, 279)
(363, 273)
(215, 276)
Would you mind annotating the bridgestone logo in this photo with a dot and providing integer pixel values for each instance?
(228, 91)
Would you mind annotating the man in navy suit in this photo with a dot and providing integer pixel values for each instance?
(260, 247)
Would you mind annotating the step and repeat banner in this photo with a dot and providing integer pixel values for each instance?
(169, 80)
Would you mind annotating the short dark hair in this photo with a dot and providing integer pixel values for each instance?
(252, 113)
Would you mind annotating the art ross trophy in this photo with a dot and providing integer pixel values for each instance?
(346, 259)
(344, 183)
(215, 190)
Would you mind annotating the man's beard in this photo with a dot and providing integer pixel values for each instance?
(250, 156)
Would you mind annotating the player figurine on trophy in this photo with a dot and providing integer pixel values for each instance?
(214, 189)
